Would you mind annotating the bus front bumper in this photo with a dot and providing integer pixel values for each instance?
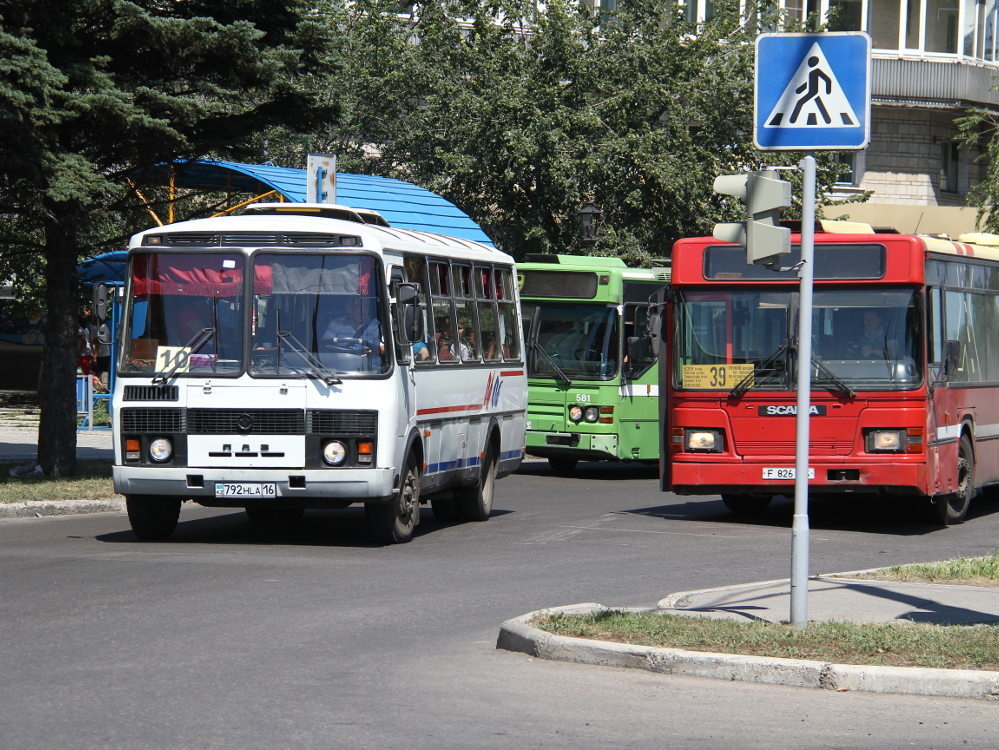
(339, 486)
(703, 478)
(572, 444)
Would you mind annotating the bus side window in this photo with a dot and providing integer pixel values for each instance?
(424, 352)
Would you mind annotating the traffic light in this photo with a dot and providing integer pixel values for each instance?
(765, 196)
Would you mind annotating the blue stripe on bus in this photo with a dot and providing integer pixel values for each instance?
(463, 463)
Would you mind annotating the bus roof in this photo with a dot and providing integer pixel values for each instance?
(373, 236)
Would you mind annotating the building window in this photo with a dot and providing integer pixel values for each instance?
(949, 173)
(846, 15)
(854, 173)
(941, 26)
(883, 24)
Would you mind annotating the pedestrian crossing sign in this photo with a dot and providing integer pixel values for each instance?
(813, 91)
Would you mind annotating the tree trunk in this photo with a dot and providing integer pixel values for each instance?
(57, 388)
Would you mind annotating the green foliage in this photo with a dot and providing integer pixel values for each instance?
(520, 115)
(979, 130)
(92, 92)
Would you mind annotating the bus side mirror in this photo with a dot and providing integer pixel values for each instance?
(407, 311)
(952, 355)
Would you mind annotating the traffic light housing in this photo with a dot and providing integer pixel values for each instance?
(765, 196)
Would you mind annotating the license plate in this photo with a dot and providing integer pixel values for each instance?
(245, 489)
(784, 473)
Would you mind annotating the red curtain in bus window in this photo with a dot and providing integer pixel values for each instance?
(193, 275)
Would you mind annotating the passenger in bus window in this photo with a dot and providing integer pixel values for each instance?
(421, 351)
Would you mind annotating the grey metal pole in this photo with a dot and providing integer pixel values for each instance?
(799, 528)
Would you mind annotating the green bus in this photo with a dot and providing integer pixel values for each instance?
(593, 382)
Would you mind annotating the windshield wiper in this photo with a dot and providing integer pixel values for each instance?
(551, 360)
(315, 368)
(837, 384)
(767, 365)
(197, 341)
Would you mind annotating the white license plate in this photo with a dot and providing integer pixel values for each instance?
(245, 489)
(784, 473)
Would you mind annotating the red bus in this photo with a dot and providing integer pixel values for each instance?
(905, 370)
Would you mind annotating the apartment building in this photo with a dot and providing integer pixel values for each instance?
(932, 60)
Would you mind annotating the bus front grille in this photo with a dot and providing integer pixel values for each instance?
(246, 421)
(342, 422)
(138, 419)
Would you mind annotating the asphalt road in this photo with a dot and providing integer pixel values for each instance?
(236, 636)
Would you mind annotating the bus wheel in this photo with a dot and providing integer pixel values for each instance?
(153, 518)
(446, 507)
(746, 505)
(393, 522)
(476, 501)
(951, 509)
(562, 464)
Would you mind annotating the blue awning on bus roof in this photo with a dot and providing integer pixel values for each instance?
(403, 204)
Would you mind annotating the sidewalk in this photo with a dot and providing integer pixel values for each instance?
(21, 444)
(830, 597)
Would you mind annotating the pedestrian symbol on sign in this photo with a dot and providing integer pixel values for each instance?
(813, 98)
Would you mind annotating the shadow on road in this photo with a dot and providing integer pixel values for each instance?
(317, 528)
(612, 471)
(898, 516)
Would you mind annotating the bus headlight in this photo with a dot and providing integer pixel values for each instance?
(592, 414)
(334, 453)
(886, 441)
(703, 440)
(576, 413)
(160, 450)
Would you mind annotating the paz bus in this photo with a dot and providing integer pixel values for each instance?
(904, 370)
(305, 356)
(590, 395)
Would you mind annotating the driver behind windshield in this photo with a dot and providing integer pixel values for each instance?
(352, 333)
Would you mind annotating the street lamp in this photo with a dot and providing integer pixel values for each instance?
(589, 216)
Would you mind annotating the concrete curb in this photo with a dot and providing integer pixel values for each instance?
(61, 507)
(517, 635)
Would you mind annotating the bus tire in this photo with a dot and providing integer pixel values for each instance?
(953, 508)
(393, 522)
(152, 517)
(476, 501)
(746, 505)
(562, 464)
(446, 507)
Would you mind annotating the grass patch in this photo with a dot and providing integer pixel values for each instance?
(898, 645)
(916, 645)
(969, 571)
(92, 482)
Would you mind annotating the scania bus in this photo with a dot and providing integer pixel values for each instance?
(905, 371)
(590, 396)
(293, 358)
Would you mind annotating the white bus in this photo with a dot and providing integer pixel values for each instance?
(305, 356)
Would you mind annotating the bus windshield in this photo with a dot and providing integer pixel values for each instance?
(316, 312)
(184, 314)
(579, 341)
(862, 339)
